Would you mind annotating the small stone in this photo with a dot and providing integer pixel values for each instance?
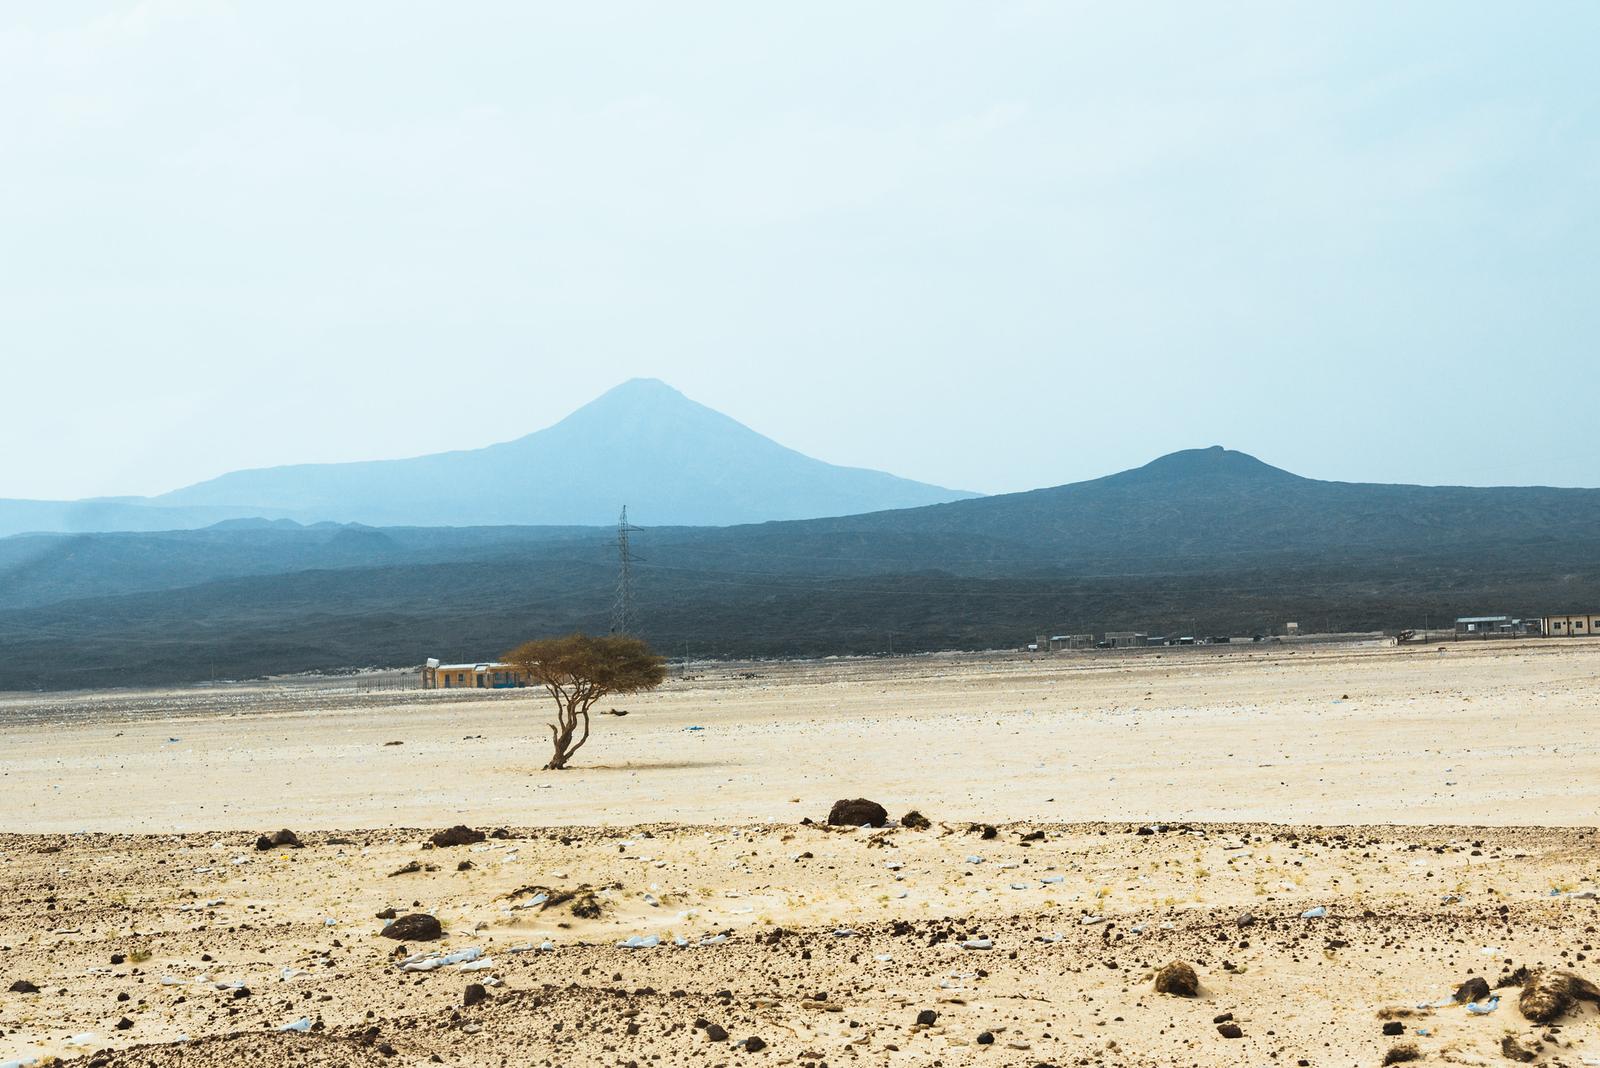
(285, 838)
(985, 1038)
(475, 993)
(416, 927)
(458, 835)
(1230, 1030)
(1474, 989)
(716, 1032)
(1178, 979)
(1516, 1049)
(857, 813)
(753, 1044)
(22, 986)
(1548, 995)
(123, 1024)
(1394, 1027)
(927, 1017)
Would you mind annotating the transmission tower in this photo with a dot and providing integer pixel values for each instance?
(624, 617)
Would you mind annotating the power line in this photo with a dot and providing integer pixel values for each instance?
(624, 616)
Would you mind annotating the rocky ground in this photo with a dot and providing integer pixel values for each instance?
(796, 943)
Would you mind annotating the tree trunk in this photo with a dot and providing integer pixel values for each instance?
(567, 716)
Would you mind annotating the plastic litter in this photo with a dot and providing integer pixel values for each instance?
(1090, 920)
(301, 1024)
(978, 943)
(694, 728)
(1054, 879)
(427, 962)
(1315, 914)
(198, 906)
(1484, 1008)
(714, 940)
(640, 942)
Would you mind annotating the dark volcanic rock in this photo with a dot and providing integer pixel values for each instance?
(22, 986)
(754, 1044)
(1474, 989)
(1514, 1049)
(915, 821)
(285, 839)
(857, 813)
(586, 905)
(416, 927)
(927, 1017)
(458, 835)
(475, 993)
(1178, 978)
(716, 1032)
(1394, 1027)
(1230, 1030)
(1548, 995)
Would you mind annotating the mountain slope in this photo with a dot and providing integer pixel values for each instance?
(1215, 507)
(644, 444)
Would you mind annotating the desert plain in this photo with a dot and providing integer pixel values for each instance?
(1335, 839)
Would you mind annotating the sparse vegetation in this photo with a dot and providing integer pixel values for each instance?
(578, 670)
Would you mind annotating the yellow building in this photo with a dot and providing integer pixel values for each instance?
(492, 676)
(1583, 626)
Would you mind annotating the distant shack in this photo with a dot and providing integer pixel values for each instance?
(482, 676)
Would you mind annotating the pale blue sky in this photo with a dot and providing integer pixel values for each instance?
(992, 246)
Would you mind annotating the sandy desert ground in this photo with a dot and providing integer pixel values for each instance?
(1335, 838)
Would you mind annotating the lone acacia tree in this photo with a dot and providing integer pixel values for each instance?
(579, 670)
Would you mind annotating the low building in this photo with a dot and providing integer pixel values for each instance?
(1493, 627)
(1124, 639)
(482, 676)
(1071, 641)
(1570, 626)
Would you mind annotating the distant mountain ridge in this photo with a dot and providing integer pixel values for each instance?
(644, 444)
(1207, 540)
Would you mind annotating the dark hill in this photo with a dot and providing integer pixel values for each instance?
(1206, 540)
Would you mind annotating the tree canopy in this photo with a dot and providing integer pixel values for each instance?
(579, 669)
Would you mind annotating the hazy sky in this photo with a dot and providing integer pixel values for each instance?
(987, 245)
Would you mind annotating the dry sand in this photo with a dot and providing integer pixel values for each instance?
(1274, 771)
